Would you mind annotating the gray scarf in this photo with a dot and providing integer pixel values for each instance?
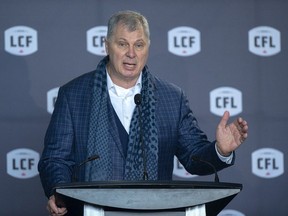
(98, 137)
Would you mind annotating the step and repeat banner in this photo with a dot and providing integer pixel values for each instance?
(226, 55)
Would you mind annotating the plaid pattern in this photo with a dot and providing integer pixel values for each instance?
(67, 135)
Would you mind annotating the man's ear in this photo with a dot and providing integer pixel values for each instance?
(106, 45)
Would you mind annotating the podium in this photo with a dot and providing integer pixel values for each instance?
(188, 198)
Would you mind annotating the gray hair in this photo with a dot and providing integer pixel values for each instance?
(130, 19)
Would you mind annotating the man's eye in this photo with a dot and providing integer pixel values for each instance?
(139, 46)
(120, 44)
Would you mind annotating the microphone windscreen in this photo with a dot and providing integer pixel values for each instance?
(137, 99)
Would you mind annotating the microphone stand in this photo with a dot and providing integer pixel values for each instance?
(77, 168)
(216, 179)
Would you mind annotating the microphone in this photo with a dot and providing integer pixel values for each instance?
(216, 179)
(137, 101)
(77, 168)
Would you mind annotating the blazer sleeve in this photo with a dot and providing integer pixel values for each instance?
(66, 137)
(55, 165)
(192, 141)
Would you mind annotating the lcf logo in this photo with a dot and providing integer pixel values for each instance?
(179, 170)
(225, 99)
(184, 41)
(22, 163)
(267, 163)
(21, 40)
(264, 41)
(96, 40)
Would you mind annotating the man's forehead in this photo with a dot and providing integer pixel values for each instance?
(124, 31)
(129, 28)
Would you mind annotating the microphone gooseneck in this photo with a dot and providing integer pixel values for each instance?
(77, 168)
(138, 101)
(216, 179)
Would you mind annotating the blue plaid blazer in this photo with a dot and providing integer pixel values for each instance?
(67, 135)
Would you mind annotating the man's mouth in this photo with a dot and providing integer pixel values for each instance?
(128, 65)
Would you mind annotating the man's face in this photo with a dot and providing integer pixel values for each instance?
(128, 53)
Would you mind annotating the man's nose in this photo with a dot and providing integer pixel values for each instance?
(131, 52)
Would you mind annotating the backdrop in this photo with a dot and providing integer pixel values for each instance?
(226, 55)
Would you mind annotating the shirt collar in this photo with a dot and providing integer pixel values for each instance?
(113, 87)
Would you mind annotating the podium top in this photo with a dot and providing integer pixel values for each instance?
(150, 184)
(150, 195)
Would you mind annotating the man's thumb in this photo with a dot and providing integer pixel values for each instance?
(224, 119)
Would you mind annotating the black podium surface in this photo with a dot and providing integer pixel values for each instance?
(151, 195)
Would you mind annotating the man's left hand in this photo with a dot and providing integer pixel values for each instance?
(230, 136)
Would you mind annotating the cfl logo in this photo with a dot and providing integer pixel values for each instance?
(51, 99)
(264, 41)
(184, 41)
(22, 163)
(96, 40)
(267, 163)
(21, 40)
(225, 99)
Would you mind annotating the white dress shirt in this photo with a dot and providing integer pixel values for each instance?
(123, 100)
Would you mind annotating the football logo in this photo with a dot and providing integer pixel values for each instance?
(184, 41)
(96, 40)
(21, 40)
(22, 163)
(267, 163)
(264, 41)
(225, 99)
(51, 99)
(180, 171)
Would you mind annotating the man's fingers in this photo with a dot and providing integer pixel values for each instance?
(224, 119)
(53, 209)
(52, 205)
(242, 127)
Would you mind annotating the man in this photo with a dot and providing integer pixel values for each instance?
(96, 115)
